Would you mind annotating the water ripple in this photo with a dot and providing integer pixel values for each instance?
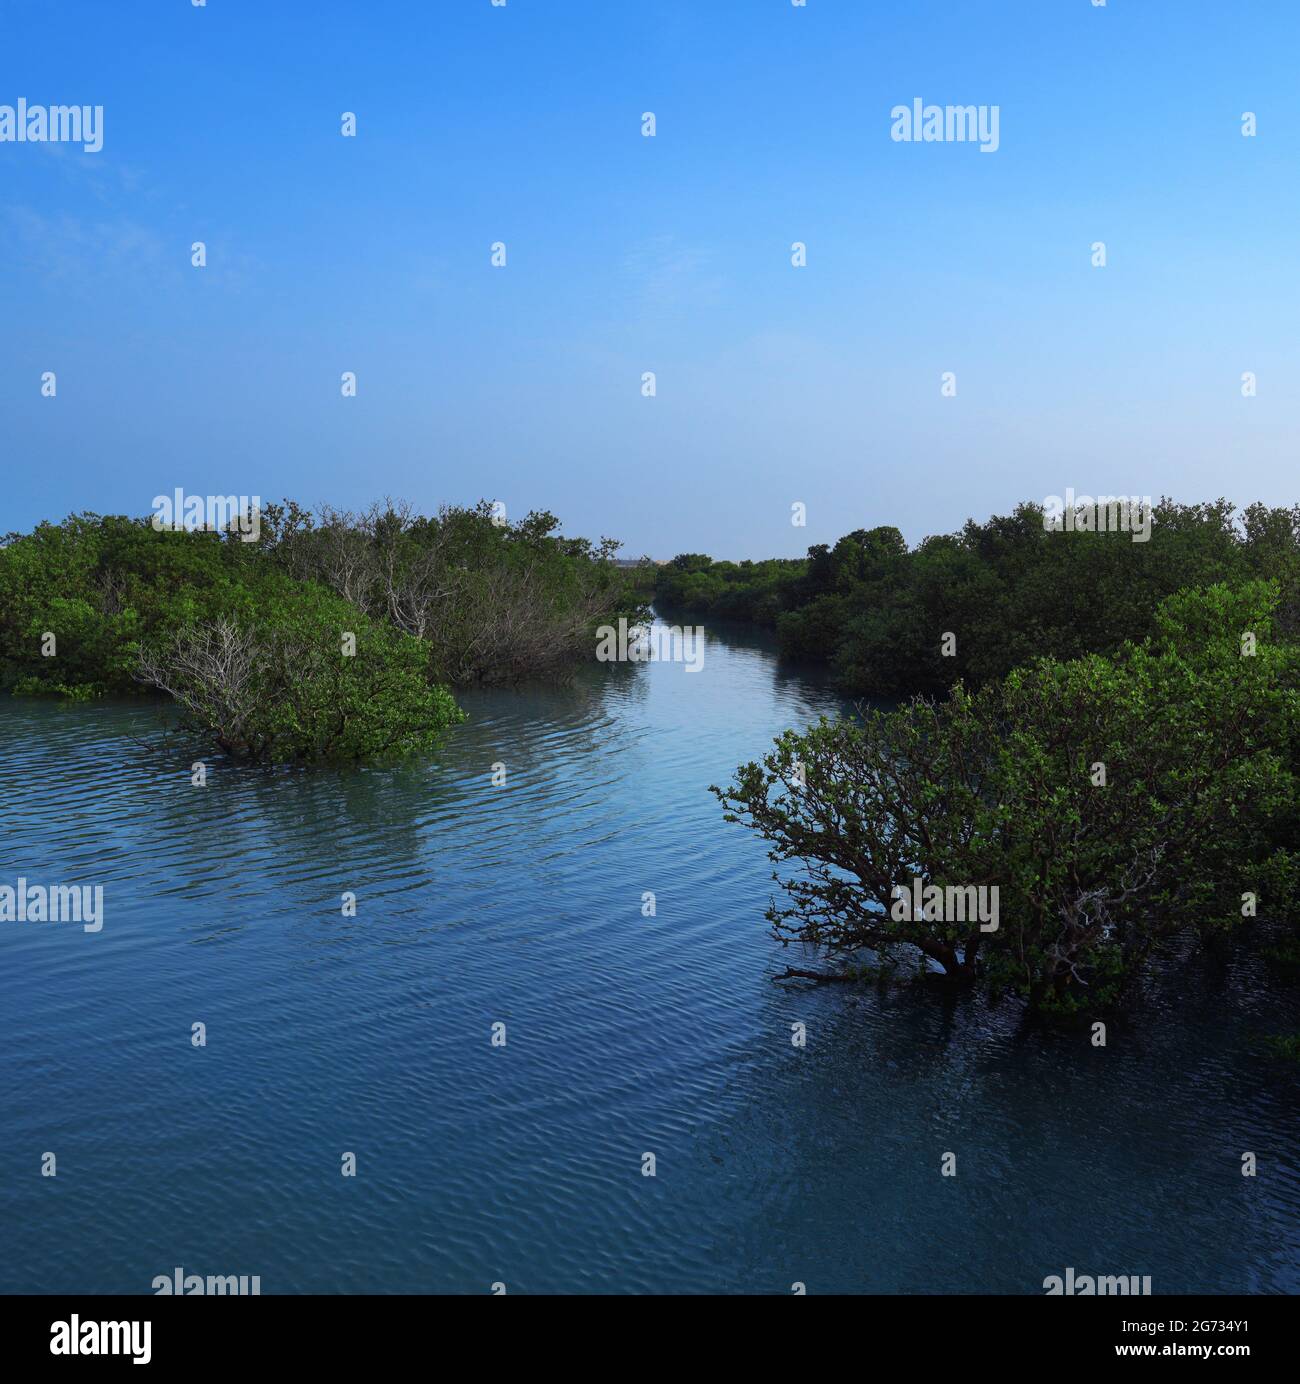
(626, 1035)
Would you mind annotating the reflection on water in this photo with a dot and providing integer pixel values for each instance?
(625, 1034)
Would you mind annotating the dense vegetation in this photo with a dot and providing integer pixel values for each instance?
(1113, 745)
(1006, 591)
(1098, 733)
(490, 601)
(330, 636)
(1110, 802)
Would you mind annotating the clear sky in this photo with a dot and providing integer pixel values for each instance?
(522, 124)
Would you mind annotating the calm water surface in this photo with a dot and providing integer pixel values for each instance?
(626, 1034)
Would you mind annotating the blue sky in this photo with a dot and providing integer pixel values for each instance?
(776, 385)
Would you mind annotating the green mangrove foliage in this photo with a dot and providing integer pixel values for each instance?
(324, 638)
(492, 601)
(295, 685)
(1102, 803)
(756, 592)
(1005, 591)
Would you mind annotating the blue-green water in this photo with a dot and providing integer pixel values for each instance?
(625, 1035)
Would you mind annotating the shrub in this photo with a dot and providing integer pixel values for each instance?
(283, 688)
(1000, 788)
